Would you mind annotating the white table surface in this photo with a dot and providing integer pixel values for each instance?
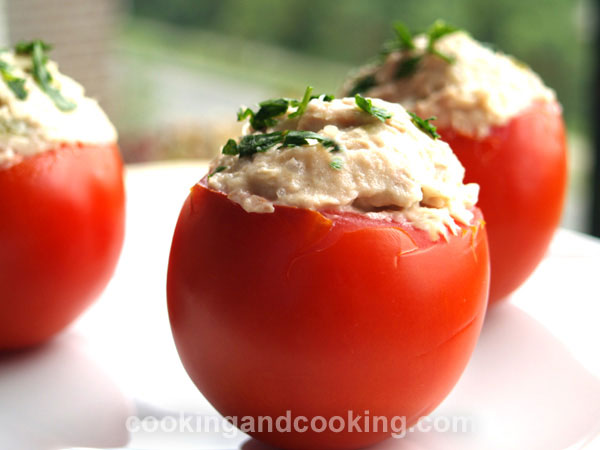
(533, 381)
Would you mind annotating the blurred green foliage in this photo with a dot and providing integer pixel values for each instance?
(543, 33)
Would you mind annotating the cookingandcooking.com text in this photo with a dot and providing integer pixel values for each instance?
(356, 423)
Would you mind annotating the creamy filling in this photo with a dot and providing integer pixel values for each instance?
(36, 124)
(390, 169)
(477, 91)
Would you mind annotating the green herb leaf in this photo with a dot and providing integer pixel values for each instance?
(403, 40)
(15, 84)
(424, 125)
(297, 138)
(412, 59)
(324, 97)
(216, 171)
(41, 74)
(367, 106)
(408, 66)
(302, 104)
(26, 48)
(336, 163)
(230, 148)
(269, 110)
(255, 143)
(438, 29)
(404, 36)
(363, 84)
(244, 113)
(448, 58)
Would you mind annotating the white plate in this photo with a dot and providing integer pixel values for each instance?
(533, 382)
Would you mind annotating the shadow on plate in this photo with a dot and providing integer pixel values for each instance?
(55, 396)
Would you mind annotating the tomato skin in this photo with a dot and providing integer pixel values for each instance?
(521, 168)
(61, 231)
(320, 314)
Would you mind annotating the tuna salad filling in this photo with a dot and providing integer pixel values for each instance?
(40, 107)
(465, 85)
(350, 154)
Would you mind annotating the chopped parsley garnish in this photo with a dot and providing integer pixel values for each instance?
(230, 148)
(302, 104)
(404, 36)
(403, 41)
(266, 114)
(297, 138)
(424, 125)
(363, 84)
(324, 97)
(336, 163)
(438, 29)
(26, 48)
(217, 170)
(408, 66)
(367, 106)
(257, 143)
(15, 84)
(269, 110)
(41, 74)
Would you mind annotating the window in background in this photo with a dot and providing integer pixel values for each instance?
(173, 74)
(80, 30)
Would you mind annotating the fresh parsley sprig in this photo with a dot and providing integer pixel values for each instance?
(336, 163)
(298, 138)
(15, 84)
(230, 148)
(424, 125)
(367, 106)
(437, 30)
(301, 105)
(324, 97)
(306, 98)
(269, 110)
(37, 49)
(258, 143)
(266, 114)
(403, 41)
(410, 63)
(26, 47)
(216, 171)
(363, 84)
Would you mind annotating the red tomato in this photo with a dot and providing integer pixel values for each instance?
(321, 314)
(522, 170)
(61, 231)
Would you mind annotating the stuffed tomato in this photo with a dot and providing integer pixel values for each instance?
(504, 125)
(61, 198)
(331, 265)
(522, 168)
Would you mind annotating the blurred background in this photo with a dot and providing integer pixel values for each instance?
(172, 74)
